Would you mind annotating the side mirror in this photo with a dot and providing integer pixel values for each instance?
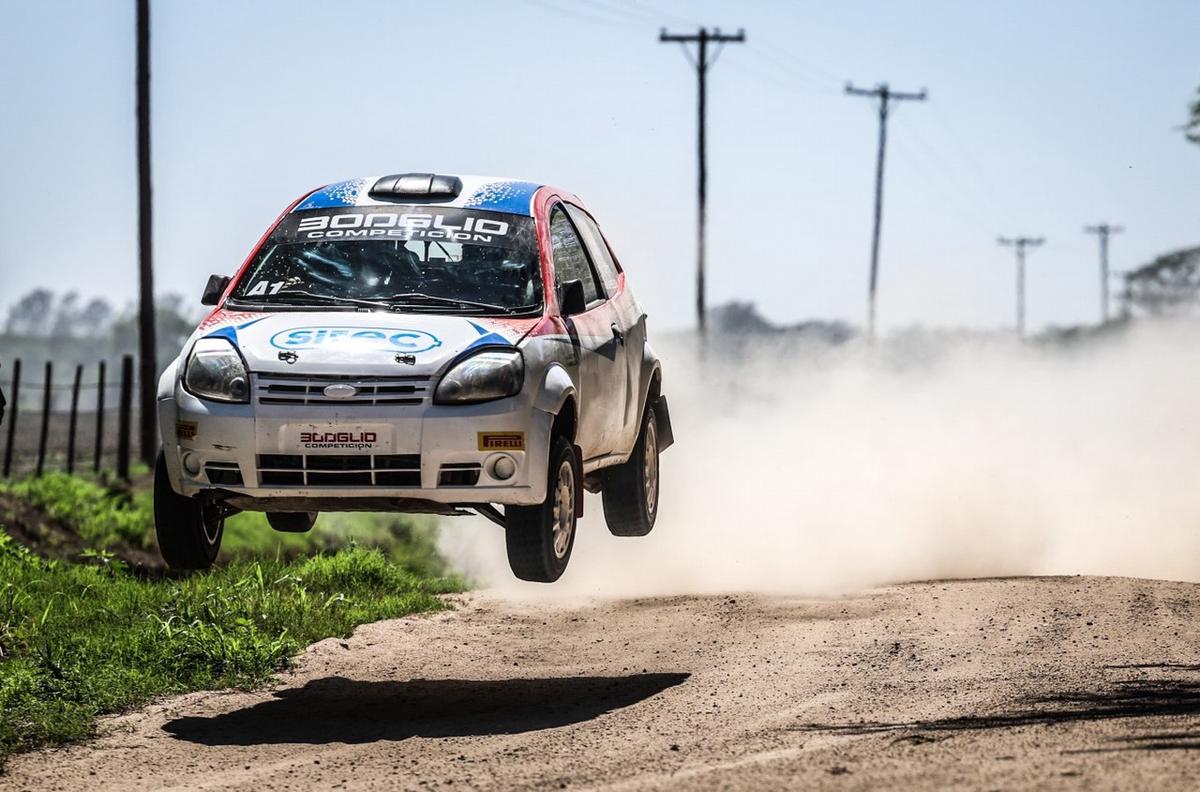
(571, 300)
(214, 289)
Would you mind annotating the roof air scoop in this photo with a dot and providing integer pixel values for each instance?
(407, 186)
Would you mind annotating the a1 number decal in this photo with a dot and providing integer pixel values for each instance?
(262, 287)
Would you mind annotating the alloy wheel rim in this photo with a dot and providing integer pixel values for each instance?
(650, 468)
(564, 509)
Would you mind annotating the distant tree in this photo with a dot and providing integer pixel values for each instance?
(31, 315)
(1192, 128)
(66, 315)
(95, 319)
(171, 321)
(1169, 284)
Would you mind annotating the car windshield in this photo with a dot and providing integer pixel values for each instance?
(409, 258)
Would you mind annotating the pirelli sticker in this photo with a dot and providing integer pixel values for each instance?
(501, 441)
(186, 430)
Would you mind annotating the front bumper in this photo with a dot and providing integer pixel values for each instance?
(356, 453)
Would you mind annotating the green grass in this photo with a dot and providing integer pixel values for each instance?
(81, 639)
(102, 516)
(106, 515)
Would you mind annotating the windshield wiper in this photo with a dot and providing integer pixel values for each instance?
(417, 299)
(323, 299)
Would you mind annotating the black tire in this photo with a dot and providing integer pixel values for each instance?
(292, 522)
(631, 489)
(189, 531)
(536, 550)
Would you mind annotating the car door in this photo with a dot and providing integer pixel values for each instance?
(602, 361)
(630, 327)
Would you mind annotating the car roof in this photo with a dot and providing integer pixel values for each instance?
(491, 193)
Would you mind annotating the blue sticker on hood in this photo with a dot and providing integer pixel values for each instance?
(229, 332)
(389, 339)
(487, 339)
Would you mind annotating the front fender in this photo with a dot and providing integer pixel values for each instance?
(166, 382)
(556, 387)
(168, 414)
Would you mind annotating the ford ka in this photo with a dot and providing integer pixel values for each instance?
(418, 343)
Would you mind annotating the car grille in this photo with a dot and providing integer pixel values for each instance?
(339, 470)
(299, 389)
(459, 474)
(224, 473)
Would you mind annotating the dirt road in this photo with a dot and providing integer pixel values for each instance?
(1016, 683)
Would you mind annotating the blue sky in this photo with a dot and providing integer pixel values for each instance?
(1042, 117)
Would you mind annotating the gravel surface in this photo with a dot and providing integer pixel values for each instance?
(1065, 683)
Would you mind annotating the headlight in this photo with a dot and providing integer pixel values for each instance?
(482, 377)
(216, 371)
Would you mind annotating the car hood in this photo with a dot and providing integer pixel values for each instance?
(362, 344)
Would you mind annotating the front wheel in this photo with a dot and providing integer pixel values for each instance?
(540, 538)
(189, 531)
(631, 488)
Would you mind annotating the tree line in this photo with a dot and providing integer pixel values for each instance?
(44, 325)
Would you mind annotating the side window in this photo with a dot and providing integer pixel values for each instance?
(570, 258)
(594, 240)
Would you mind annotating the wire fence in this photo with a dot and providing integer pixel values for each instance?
(68, 418)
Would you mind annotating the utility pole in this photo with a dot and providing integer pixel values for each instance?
(1021, 243)
(886, 95)
(702, 38)
(147, 354)
(1103, 230)
(1126, 294)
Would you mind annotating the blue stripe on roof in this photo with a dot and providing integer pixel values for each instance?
(498, 195)
(344, 193)
(515, 197)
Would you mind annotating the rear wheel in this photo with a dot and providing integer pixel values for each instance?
(292, 522)
(631, 488)
(189, 531)
(540, 538)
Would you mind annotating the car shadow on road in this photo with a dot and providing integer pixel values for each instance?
(336, 709)
(1124, 700)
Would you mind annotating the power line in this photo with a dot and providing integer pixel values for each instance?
(658, 14)
(1021, 243)
(782, 81)
(886, 96)
(779, 54)
(702, 39)
(1103, 230)
(575, 13)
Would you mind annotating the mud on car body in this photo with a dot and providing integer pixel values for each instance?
(417, 343)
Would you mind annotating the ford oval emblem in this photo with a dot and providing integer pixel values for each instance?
(340, 390)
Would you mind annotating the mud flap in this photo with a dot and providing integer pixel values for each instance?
(579, 490)
(662, 419)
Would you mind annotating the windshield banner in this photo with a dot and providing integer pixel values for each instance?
(433, 223)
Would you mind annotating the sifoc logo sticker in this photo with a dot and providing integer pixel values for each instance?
(388, 339)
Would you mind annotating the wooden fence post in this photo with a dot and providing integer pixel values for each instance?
(99, 421)
(74, 418)
(47, 384)
(14, 406)
(123, 417)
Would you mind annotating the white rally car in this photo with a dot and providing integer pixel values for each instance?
(417, 343)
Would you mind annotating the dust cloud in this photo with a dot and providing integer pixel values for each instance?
(808, 469)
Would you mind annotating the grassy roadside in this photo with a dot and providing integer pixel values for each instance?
(83, 638)
(107, 515)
